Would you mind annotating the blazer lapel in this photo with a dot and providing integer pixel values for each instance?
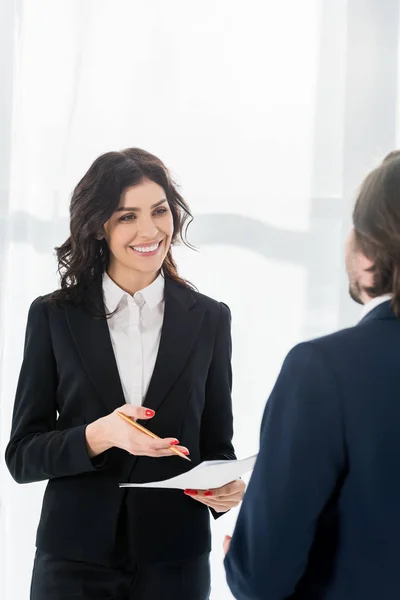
(93, 342)
(181, 326)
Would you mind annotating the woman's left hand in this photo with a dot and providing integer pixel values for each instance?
(220, 499)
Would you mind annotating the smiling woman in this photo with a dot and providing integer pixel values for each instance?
(139, 234)
(125, 204)
(124, 333)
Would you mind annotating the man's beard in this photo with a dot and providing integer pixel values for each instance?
(355, 292)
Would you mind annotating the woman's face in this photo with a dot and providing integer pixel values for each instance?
(140, 231)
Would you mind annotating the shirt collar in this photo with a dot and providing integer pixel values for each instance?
(152, 295)
(371, 304)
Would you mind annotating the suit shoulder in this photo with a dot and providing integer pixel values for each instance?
(210, 303)
(338, 345)
(343, 337)
(38, 305)
(41, 304)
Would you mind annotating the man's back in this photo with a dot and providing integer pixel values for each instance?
(321, 518)
(364, 561)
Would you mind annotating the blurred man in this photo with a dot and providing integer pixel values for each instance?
(321, 518)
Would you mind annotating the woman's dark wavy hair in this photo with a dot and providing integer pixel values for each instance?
(83, 258)
(376, 220)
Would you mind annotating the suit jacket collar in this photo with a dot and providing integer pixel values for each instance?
(383, 311)
(182, 322)
(183, 318)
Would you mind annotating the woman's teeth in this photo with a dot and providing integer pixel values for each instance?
(145, 249)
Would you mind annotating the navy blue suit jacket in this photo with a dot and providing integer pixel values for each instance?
(321, 517)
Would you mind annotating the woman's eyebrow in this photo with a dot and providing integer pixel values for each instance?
(132, 208)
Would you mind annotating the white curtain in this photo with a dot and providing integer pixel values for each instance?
(245, 102)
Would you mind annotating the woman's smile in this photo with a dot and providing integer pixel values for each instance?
(146, 250)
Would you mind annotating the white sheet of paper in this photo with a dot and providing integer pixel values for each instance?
(207, 475)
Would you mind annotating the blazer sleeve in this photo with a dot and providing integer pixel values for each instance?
(36, 450)
(217, 419)
(301, 461)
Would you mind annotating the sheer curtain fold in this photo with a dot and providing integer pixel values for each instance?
(238, 99)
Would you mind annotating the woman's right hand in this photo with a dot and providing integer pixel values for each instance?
(112, 431)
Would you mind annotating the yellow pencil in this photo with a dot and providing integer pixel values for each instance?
(149, 433)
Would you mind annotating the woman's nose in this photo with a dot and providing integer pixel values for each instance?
(147, 227)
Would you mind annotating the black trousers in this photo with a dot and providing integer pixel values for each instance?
(59, 579)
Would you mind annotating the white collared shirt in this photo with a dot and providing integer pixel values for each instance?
(371, 304)
(135, 331)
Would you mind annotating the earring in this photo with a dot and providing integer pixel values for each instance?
(99, 236)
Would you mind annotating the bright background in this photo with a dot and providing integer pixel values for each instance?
(268, 113)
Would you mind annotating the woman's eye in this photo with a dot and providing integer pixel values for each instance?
(126, 218)
(161, 211)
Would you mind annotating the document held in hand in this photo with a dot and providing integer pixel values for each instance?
(207, 475)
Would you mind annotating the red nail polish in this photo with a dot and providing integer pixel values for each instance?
(185, 451)
(191, 492)
(174, 443)
(208, 493)
(150, 413)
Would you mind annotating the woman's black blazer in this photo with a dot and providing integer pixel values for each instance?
(69, 378)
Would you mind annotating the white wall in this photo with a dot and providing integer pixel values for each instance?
(229, 95)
